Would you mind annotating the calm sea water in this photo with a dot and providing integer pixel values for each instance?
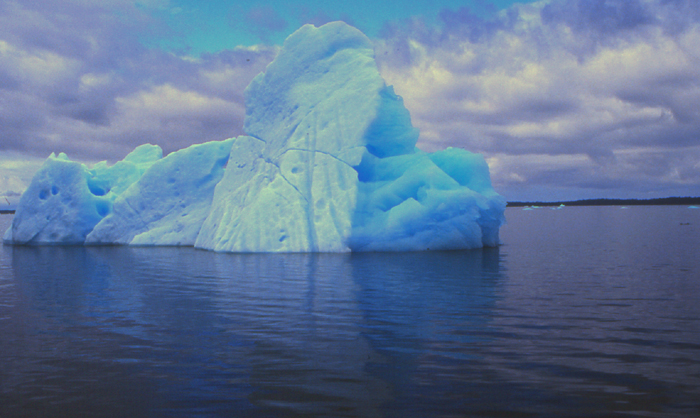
(583, 312)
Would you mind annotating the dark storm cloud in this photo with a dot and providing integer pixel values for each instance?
(7, 81)
(75, 78)
(572, 93)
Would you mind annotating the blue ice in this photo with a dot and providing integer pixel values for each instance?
(329, 164)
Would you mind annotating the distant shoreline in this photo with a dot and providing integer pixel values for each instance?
(587, 202)
(615, 202)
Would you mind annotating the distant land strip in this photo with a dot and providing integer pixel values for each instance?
(615, 202)
(586, 202)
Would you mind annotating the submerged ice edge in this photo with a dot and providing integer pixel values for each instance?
(330, 165)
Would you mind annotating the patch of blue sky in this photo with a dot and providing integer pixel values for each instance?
(196, 27)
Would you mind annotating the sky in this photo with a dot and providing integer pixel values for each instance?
(566, 99)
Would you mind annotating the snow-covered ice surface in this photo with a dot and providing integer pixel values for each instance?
(329, 164)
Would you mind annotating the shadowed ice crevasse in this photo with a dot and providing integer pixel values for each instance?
(329, 164)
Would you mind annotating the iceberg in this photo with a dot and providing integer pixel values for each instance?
(328, 164)
(66, 199)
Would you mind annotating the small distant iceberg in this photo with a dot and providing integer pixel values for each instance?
(535, 207)
(693, 207)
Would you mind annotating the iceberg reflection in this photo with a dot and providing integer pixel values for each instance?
(177, 329)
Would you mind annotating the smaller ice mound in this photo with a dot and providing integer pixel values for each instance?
(169, 203)
(420, 201)
(66, 199)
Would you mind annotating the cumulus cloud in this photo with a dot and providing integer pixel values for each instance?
(75, 78)
(598, 96)
(566, 98)
(10, 186)
(16, 172)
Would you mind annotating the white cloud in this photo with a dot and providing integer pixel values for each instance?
(558, 95)
(166, 101)
(529, 91)
(76, 79)
(38, 68)
(16, 172)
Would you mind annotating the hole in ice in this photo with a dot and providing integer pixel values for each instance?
(283, 237)
(43, 194)
(296, 170)
(54, 190)
(96, 189)
(102, 208)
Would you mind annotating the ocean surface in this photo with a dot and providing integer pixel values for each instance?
(582, 312)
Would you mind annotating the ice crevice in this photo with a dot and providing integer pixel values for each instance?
(328, 163)
(287, 180)
(319, 152)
